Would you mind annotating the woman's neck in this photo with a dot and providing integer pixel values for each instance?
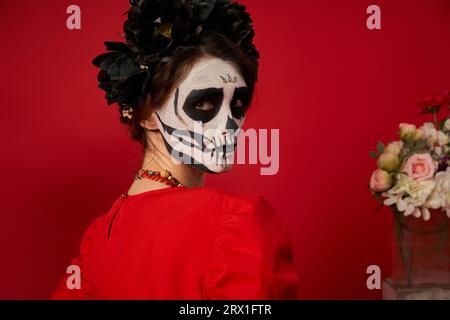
(158, 160)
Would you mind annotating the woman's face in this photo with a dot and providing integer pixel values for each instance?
(204, 114)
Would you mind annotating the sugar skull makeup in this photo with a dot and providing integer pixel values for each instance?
(203, 116)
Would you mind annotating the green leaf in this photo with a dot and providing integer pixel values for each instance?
(380, 147)
(373, 154)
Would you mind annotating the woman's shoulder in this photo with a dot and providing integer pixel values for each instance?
(184, 210)
(205, 207)
(196, 198)
(205, 203)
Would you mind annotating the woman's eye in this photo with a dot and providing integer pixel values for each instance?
(204, 106)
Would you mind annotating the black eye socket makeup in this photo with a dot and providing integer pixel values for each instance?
(197, 100)
(240, 102)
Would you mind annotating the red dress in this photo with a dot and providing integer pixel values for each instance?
(179, 243)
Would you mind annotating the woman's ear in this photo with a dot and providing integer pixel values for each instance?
(150, 123)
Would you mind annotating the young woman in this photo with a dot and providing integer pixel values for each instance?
(183, 80)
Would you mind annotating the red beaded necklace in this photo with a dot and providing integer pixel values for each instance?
(163, 177)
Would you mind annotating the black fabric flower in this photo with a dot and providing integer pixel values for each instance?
(153, 31)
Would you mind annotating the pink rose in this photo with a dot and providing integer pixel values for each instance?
(420, 167)
(380, 180)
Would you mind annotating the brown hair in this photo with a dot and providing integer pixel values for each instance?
(169, 75)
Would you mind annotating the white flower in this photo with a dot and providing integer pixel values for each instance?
(409, 196)
(442, 138)
(440, 196)
(427, 127)
(433, 135)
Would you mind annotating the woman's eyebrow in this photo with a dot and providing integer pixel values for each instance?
(207, 92)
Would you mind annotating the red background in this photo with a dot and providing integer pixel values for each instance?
(330, 85)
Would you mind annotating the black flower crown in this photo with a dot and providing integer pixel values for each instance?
(153, 31)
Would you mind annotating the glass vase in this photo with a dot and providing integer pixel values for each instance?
(421, 251)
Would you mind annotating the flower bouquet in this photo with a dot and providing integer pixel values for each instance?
(413, 179)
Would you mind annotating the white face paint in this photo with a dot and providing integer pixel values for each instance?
(203, 116)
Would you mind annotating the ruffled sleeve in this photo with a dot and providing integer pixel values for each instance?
(82, 261)
(252, 256)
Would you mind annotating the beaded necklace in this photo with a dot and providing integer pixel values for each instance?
(164, 177)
